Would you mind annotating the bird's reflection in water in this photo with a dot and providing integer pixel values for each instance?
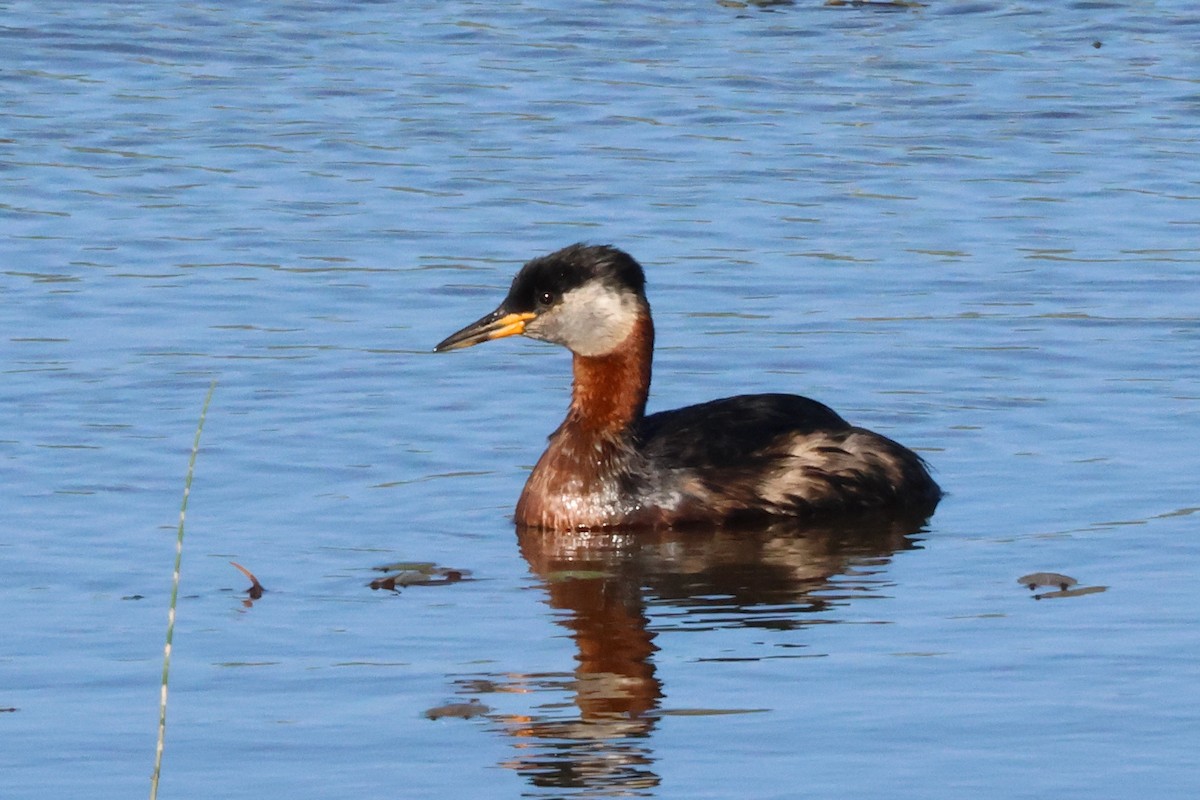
(622, 591)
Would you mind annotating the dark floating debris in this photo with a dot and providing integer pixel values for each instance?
(472, 708)
(882, 5)
(1036, 579)
(417, 573)
(1064, 583)
(763, 4)
(256, 589)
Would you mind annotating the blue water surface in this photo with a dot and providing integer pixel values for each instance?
(972, 226)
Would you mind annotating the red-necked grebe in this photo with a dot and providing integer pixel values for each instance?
(610, 465)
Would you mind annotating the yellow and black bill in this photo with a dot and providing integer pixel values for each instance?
(496, 325)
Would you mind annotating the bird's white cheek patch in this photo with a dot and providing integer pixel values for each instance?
(592, 320)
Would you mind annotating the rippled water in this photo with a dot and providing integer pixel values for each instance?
(971, 226)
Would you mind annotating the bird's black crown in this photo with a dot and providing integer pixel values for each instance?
(544, 280)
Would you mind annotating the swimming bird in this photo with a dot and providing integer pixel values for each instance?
(738, 459)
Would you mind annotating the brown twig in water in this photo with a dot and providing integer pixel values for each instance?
(256, 589)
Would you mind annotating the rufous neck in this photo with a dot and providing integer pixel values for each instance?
(610, 391)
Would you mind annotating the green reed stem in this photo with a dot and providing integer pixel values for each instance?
(162, 703)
